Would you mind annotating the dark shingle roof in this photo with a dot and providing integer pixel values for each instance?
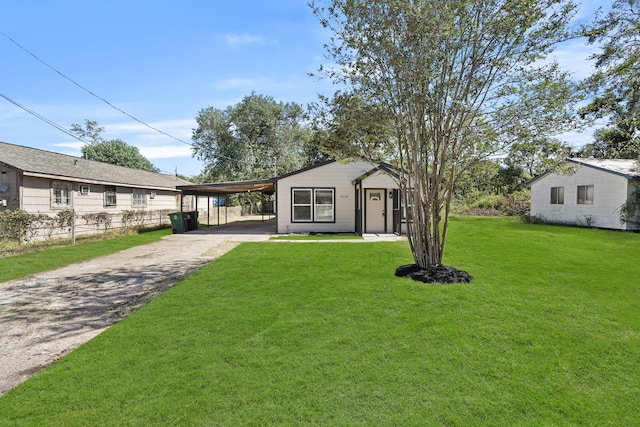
(41, 162)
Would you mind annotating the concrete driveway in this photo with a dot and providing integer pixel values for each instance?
(45, 316)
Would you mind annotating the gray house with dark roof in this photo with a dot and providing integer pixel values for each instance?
(39, 181)
(591, 193)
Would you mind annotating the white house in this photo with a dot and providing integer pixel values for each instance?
(330, 197)
(591, 193)
(39, 181)
(355, 197)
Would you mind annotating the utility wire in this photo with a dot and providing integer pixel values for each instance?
(93, 94)
(51, 123)
(90, 92)
(41, 117)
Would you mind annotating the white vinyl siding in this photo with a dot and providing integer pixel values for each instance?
(607, 193)
(336, 176)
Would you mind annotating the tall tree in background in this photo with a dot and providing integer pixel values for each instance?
(113, 151)
(616, 81)
(257, 138)
(537, 156)
(348, 126)
(90, 132)
(460, 79)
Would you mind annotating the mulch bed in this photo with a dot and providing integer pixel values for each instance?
(436, 274)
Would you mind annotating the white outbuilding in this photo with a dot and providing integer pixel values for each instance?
(587, 192)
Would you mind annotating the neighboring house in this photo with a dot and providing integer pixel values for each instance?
(591, 193)
(39, 181)
(336, 197)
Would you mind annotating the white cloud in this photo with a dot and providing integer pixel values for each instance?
(179, 127)
(239, 40)
(166, 151)
(71, 148)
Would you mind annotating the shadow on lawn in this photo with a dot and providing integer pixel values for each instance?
(64, 306)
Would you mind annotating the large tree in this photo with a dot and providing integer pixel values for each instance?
(114, 151)
(257, 138)
(616, 81)
(460, 79)
(538, 155)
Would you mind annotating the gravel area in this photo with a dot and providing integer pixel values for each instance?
(45, 316)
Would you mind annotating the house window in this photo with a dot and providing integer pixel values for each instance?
(557, 195)
(313, 205)
(302, 205)
(84, 189)
(585, 194)
(323, 205)
(109, 195)
(139, 198)
(62, 192)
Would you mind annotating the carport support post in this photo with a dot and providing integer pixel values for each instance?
(218, 204)
(197, 211)
(208, 209)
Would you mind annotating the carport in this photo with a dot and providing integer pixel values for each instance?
(223, 189)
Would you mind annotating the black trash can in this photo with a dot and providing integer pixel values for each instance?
(191, 218)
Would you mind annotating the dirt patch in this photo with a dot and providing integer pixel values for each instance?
(221, 249)
(45, 316)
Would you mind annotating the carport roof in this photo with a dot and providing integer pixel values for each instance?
(264, 186)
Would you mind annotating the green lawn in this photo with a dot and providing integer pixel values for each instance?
(18, 266)
(324, 334)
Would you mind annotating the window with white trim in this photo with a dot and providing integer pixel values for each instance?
(139, 198)
(110, 195)
(313, 205)
(61, 194)
(557, 195)
(585, 194)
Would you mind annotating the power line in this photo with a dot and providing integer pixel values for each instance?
(97, 96)
(51, 123)
(90, 92)
(41, 117)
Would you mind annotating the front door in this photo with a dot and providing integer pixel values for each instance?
(374, 211)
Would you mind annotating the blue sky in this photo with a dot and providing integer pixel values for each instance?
(161, 62)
